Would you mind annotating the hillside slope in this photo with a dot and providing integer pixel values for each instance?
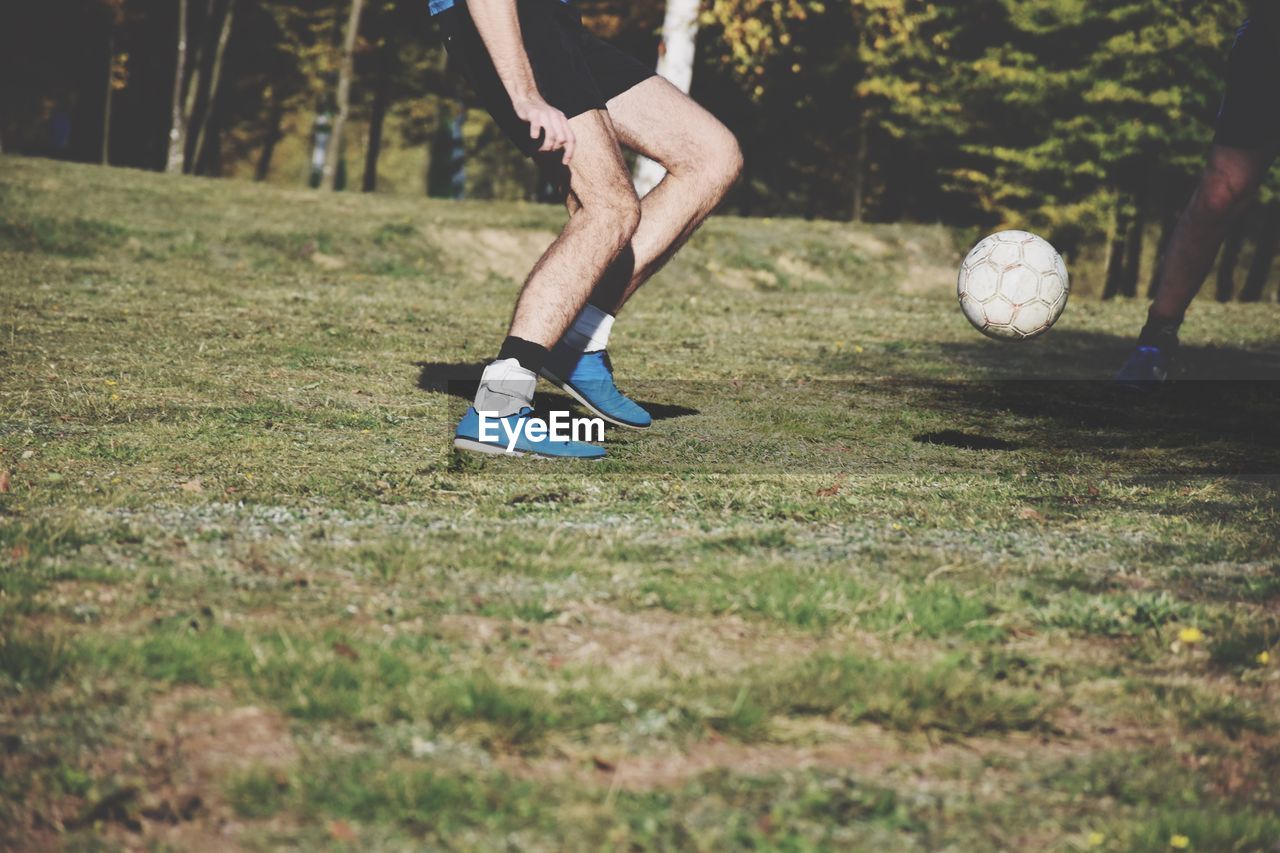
(856, 588)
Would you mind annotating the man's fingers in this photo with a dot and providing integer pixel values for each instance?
(570, 143)
(553, 135)
(554, 129)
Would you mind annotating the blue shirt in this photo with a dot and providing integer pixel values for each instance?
(438, 6)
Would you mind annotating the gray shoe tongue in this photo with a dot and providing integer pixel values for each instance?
(501, 397)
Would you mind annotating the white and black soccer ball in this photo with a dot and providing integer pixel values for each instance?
(1013, 286)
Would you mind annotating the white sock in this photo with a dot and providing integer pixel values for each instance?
(505, 388)
(590, 332)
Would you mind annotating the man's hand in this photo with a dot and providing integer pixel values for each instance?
(547, 121)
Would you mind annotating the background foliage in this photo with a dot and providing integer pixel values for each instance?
(1087, 121)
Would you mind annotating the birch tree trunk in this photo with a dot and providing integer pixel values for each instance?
(109, 101)
(378, 117)
(330, 175)
(275, 117)
(215, 78)
(178, 125)
(675, 63)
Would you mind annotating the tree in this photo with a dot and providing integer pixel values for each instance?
(343, 98)
(215, 80)
(117, 75)
(675, 63)
(178, 123)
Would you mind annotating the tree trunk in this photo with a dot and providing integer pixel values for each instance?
(192, 86)
(177, 124)
(215, 79)
(1168, 223)
(860, 170)
(675, 63)
(381, 103)
(1116, 242)
(1264, 255)
(1231, 247)
(1133, 250)
(330, 175)
(108, 101)
(274, 118)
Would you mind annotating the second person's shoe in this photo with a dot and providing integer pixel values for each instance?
(588, 378)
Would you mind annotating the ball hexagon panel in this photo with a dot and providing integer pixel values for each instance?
(1040, 256)
(1031, 318)
(1058, 305)
(979, 253)
(1020, 284)
(983, 282)
(999, 311)
(973, 311)
(1051, 287)
(1006, 254)
(1004, 333)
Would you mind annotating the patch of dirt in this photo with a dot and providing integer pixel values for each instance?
(809, 744)
(793, 267)
(506, 252)
(867, 243)
(592, 634)
(927, 277)
(193, 743)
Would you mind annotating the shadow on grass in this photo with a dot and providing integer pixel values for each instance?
(964, 441)
(461, 379)
(1085, 355)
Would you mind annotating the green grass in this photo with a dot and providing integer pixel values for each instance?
(871, 581)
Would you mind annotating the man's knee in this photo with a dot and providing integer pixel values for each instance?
(618, 214)
(1222, 194)
(720, 160)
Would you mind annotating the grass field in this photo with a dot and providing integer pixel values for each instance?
(870, 581)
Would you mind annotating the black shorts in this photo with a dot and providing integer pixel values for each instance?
(574, 71)
(1250, 112)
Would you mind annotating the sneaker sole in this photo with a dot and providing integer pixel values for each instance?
(568, 389)
(493, 450)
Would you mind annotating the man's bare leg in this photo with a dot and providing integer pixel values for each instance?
(702, 159)
(564, 276)
(605, 223)
(1228, 185)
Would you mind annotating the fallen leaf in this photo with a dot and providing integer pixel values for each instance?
(341, 831)
(832, 490)
(195, 485)
(4, 481)
(327, 262)
(603, 765)
(343, 650)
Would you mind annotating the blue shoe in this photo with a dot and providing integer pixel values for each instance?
(588, 378)
(1145, 369)
(468, 437)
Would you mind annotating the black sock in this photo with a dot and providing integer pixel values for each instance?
(530, 355)
(1159, 332)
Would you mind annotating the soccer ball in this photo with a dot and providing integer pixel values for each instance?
(1013, 286)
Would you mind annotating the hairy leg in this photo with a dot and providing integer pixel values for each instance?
(1229, 183)
(702, 160)
(593, 238)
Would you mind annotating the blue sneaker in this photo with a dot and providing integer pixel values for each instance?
(468, 437)
(588, 378)
(1145, 369)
